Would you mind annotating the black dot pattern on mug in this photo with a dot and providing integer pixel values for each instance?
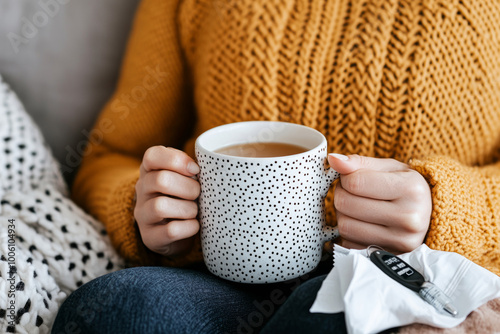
(262, 219)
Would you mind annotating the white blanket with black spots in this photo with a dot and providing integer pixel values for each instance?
(48, 245)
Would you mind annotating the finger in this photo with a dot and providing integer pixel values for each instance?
(170, 183)
(159, 208)
(168, 238)
(352, 245)
(377, 184)
(365, 209)
(177, 247)
(161, 157)
(348, 164)
(362, 233)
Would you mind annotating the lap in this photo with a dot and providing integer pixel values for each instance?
(158, 300)
(173, 300)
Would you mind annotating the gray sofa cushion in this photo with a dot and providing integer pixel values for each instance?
(62, 57)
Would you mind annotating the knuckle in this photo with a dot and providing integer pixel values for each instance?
(417, 190)
(412, 222)
(149, 156)
(353, 182)
(169, 149)
(138, 187)
(419, 187)
(151, 153)
(171, 233)
(158, 207)
(188, 210)
(177, 160)
(164, 180)
(339, 200)
(363, 160)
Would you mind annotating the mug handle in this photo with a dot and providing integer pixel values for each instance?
(329, 232)
(330, 176)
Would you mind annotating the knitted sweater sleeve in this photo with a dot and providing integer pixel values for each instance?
(149, 107)
(466, 209)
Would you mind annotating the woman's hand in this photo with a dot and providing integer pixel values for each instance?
(380, 202)
(165, 209)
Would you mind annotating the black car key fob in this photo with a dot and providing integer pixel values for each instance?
(404, 274)
(397, 269)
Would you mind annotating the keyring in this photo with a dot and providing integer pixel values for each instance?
(371, 249)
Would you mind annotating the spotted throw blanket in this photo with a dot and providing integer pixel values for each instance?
(48, 245)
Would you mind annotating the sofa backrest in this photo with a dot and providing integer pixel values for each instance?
(62, 58)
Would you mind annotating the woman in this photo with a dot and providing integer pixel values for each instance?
(406, 92)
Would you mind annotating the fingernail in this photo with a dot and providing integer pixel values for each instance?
(339, 156)
(193, 168)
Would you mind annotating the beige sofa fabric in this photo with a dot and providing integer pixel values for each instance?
(62, 58)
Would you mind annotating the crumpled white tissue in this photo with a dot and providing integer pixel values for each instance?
(373, 302)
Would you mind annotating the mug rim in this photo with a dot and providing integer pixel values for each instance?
(200, 147)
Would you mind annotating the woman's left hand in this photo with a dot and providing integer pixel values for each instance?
(380, 202)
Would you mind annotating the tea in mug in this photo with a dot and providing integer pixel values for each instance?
(261, 150)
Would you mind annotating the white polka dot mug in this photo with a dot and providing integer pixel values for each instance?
(262, 218)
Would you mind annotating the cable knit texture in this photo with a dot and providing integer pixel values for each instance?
(417, 81)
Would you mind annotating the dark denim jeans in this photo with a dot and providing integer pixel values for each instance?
(172, 300)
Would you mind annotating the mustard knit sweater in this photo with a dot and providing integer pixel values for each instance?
(418, 81)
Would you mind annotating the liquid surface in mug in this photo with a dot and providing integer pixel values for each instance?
(261, 150)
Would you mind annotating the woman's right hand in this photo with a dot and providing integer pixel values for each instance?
(165, 208)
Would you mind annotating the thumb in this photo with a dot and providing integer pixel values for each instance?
(346, 164)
